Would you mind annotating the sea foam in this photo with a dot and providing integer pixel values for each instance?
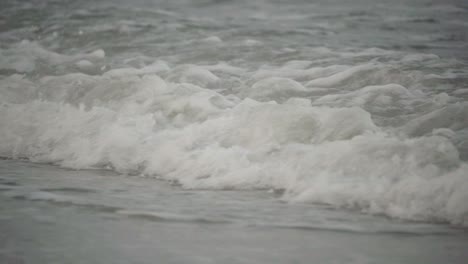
(383, 149)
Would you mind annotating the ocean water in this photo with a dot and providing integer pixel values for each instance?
(234, 131)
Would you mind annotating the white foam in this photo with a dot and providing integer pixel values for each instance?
(454, 116)
(27, 55)
(98, 54)
(212, 40)
(85, 65)
(275, 88)
(193, 74)
(252, 42)
(178, 124)
(340, 77)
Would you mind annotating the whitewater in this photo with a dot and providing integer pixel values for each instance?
(356, 107)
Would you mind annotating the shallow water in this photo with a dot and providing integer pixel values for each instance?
(51, 215)
(277, 117)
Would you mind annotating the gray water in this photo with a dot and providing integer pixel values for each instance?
(51, 215)
(233, 131)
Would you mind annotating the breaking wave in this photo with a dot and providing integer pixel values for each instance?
(375, 136)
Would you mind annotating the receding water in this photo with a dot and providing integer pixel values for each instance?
(52, 215)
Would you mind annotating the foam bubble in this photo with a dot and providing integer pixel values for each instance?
(26, 56)
(275, 88)
(85, 65)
